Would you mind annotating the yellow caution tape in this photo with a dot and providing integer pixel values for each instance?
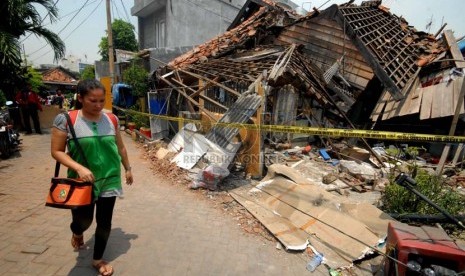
(330, 132)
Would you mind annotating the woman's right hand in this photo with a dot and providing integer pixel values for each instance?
(85, 174)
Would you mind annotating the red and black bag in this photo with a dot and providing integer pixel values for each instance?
(68, 193)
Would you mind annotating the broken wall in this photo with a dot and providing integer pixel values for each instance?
(324, 43)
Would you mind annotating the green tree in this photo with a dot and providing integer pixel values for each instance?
(34, 78)
(137, 77)
(17, 18)
(88, 73)
(124, 38)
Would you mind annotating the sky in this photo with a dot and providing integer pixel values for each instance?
(82, 29)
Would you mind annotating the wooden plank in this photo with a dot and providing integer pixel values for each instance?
(457, 84)
(457, 154)
(395, 108)
(411, 97)
(379, 106)
(212, 81)
(325, 43)
(306, 27)
(438, 91)
(329, 56)
(454, 49)
(404, 104)
(254, 137)
(453, 126)
(413, 101)
(330, 23)
(389, 107)
(208, 113)
(447, 107)
(426, 103)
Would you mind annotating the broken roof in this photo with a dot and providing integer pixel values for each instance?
(354, 43)
(392, 49)
(284, 65)
(251, 29)
(389, 46)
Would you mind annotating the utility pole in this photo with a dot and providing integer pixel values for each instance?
(25, 59)
(111, 59)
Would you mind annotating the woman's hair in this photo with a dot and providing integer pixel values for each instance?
(84, 87)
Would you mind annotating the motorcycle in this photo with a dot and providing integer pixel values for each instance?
(9, 137)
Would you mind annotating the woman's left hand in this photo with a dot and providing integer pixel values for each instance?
(129, 178)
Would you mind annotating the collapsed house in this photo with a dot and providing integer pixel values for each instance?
(339, 67)
(346, 66)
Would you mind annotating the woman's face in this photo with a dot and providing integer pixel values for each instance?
(93, 101)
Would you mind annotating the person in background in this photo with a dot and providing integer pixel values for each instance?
(29, 103)
(59, 98)
(72, 104)
(103, 147)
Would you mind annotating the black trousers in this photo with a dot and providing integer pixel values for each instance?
(82, 219)
(28, 113)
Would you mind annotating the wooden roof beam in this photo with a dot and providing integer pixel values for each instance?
(374, 63)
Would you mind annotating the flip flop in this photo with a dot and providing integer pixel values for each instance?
(77, 241)
(103, 268)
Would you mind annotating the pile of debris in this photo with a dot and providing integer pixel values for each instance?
(335, 68)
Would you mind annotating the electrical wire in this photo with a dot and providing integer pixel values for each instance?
(85, 19)
(117, 10)
(79, 25)
(62, 29)
(71, 12)
(127, 19)
(125, 11)
(112, 12)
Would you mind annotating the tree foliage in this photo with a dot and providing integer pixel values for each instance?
(124, 38)
(34, 78)
(17, 18)
(88, 73)
(400, 200)
(137, 77)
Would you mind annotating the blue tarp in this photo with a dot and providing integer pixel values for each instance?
(462, 46)
(157, 106)
(122, 95)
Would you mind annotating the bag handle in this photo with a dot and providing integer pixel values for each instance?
(76, 142)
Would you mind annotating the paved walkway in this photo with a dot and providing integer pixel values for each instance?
(158, 228)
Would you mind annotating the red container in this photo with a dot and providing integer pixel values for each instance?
(146, 132)
(426, 245)
(131, 126)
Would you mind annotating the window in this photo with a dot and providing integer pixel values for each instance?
(160, 33)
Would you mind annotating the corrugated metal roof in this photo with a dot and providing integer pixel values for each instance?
(241, 112)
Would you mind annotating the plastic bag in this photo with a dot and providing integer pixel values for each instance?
(209, 178)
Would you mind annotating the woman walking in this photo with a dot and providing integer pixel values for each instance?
(97, 133)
